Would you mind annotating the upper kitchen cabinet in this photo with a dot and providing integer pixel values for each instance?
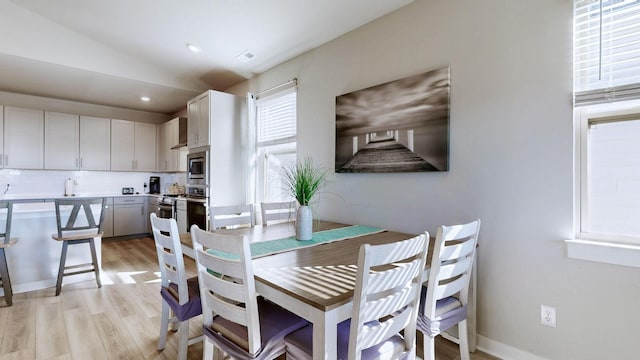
(207, 108)
(171, 156)
(23, 138)
(133, 146)
(73, 142)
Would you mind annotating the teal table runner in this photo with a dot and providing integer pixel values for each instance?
(264, 248)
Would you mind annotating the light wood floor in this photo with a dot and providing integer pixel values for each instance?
(121, 320)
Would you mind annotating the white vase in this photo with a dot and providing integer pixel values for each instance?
(304, 222)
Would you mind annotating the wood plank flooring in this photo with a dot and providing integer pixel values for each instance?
(121, 320)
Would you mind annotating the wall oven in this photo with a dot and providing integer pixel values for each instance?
(197, 213)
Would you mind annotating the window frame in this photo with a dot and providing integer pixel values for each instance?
(584, 116)
(261, 153)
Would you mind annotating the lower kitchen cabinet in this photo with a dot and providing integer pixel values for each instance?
(107, 221)
(129, 216)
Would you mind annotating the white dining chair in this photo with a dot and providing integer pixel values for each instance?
(235, 320)
(385, 305)
(232, 216)
(283, 211)
(444, 299)
(179, 294)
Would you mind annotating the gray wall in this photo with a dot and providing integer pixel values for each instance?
(511, 164)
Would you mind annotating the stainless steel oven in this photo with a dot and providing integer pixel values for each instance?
(166, 207)
(197, 213)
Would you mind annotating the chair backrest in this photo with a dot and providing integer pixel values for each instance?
(71, 221)
(170, 259)
(451, 264)
(278, 211)
(387, 289)
(6, 208)
(227, 286)
(232, 216)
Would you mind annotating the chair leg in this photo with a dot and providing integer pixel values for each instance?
(429, 347)
(164, 325)
(63, 259)
(183, 340)
(207, 349)
(463, 337)
(6, 280)
(94, 259)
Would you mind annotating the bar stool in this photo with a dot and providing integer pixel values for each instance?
(75, 230)
(5, 242)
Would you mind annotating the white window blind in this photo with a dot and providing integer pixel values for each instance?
(276, 118)
(606, 51)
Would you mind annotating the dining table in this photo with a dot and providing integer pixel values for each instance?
(315, 279)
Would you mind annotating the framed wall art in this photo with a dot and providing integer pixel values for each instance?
(399, 126)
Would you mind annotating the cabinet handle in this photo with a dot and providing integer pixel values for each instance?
(81, 163)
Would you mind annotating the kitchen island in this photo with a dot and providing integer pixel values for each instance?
(34, 260)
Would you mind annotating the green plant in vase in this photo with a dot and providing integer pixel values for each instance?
(302, 181)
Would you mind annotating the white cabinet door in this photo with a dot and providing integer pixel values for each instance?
(95, 143)
(23, 138)
(61, 139)
(122, 145)
(145, 147)
(198, 123)
(164, 139)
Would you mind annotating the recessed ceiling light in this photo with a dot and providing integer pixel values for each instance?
(193, 48)
(246, 56)
(145, 98)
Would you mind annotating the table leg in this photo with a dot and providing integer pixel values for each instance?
(325, 336)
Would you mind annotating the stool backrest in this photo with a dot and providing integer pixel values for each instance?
(232, 215)
(170, 259)
(70, 220)
(5, 232)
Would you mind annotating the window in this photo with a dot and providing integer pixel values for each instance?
(275, 142)
(610, 174)
(607, 115)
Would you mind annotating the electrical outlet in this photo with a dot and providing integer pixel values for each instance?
(548, 315)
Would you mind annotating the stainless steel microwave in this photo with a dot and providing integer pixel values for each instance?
(198, 167)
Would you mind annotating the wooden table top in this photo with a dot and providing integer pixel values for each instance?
(322, 276)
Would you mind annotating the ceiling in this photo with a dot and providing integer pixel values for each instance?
(113, 52)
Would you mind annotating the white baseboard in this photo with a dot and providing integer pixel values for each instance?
(504, 351)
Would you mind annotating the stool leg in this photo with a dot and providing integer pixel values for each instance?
(63, 259)
(94, 259)
(6, 281)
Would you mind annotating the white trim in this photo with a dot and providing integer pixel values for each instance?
(604, 252)
(504, 351)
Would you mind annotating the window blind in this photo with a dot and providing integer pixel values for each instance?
(606, 51)
(276, 115)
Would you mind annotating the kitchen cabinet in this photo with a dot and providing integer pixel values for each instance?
(152, 208)
(95, 143)
(73, 142)
(181, 215)
(61, 141)
(107, 221)
(171, 160)
(129, 216)
(133, 146)
(23, 138)
(207, 111)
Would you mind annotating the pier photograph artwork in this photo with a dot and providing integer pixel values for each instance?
(399, 126)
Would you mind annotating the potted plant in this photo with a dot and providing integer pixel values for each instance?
(302, 181)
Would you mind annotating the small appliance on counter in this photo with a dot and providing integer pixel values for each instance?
(154, 185)
(70, 187)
